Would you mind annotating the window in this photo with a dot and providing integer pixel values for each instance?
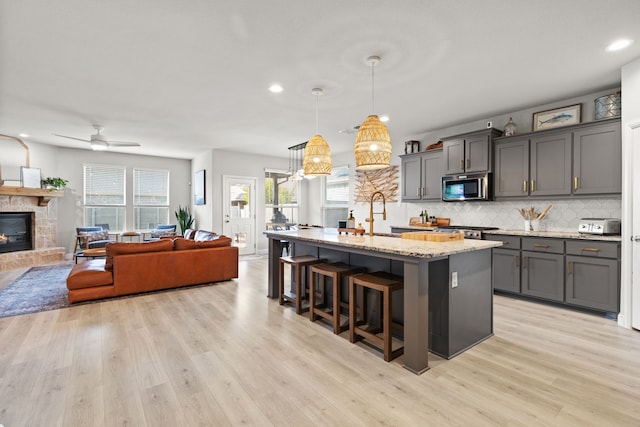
(280, 197)
(335, 204)
(150, 198)
(104, 196)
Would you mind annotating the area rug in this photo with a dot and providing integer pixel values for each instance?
(38, 289)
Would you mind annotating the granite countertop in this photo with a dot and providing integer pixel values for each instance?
(556, 234)
(385, 243)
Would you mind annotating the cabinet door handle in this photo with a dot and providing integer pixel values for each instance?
(468, 163)
(524, 186)
(418, 191)
(590, 249)
(422, 191)
(540, 245)
(461, 164)
(575, 182)
(533, 185)
(568, 267)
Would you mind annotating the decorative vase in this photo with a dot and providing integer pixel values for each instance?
(510, 128)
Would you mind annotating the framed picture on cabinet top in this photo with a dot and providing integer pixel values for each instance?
(558, 117)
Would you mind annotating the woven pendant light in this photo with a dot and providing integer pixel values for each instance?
(373, 143)
(317, 155)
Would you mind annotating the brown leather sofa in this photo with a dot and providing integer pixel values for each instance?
(131, 268)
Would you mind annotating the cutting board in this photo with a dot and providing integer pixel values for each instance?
(432, 237)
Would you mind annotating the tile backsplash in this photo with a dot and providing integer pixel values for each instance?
(564, 216)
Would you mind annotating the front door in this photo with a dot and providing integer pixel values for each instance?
(239, 212)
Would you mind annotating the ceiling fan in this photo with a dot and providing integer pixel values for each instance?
(99, 142)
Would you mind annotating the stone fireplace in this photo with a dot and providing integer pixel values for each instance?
(37, 246)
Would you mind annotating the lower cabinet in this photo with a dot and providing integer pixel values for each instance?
(593, 275)
(543, 275)
(582, 273)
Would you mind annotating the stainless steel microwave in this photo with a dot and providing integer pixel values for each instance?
(459, 188)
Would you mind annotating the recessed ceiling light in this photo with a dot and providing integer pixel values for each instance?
(23, 135)
(276, 88)
(618, 45)
(384, 118)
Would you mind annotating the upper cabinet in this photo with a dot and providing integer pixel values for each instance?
(597, 159)
(581, 159)
(421, 176)
(469, 153)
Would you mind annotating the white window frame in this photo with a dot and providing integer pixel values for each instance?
(137, 205)
(119, 206)
(327, 207)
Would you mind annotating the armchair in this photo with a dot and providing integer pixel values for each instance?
(91, 238)
(160, 231)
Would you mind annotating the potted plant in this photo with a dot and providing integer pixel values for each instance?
(184, 217)
(54, 183)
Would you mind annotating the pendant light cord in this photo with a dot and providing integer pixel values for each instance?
(317, 95)
(373, 109)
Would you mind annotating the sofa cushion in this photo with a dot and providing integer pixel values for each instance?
(219, 241)
(203, 236)
(93, 236)
(125, 248)
(89, 274)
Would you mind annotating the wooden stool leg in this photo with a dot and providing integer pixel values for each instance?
(337, 278)
(299, 289)
(386, 329)
(352, 310)
(312, 297)
(281, 282)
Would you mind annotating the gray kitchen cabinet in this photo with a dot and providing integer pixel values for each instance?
(550, 165)
(543, 275)
(506, 270)
(577, 160)
(543, 268)
(597, 159)
(577, 272)
(511, 178)
(469, 153)
(421, 176)
(506, 263)
(593, 275)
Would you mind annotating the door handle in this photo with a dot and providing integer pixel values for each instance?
(533, 185)
(524, 186)
(575, 182)
(468, 163)
(540, 245)
(568, 267)
(418, 191)
(590, 249)
(461, 164)
(227, 216)
(635, 238)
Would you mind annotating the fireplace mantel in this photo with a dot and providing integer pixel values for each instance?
(44, 196)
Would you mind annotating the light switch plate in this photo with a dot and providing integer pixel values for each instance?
(454, 279)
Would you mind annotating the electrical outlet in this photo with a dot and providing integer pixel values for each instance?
(454, 279)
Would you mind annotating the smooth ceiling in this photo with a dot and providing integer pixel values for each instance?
(183, 77)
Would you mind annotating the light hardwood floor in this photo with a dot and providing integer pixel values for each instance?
(227, 355)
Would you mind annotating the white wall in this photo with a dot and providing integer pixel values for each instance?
(630, 158)
(245, 165)
(203, 213)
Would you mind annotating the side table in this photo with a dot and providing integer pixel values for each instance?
(130, 235)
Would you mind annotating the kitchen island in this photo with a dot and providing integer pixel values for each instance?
(447, 284)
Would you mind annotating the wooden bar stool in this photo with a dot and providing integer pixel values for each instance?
(384, 283)
(336, 272)
(297, 263)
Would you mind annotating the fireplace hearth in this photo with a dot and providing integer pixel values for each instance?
(16, 231)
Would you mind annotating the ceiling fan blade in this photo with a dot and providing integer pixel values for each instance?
(71, 137)
(123, 144)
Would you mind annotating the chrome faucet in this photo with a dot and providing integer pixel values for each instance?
(371, 212)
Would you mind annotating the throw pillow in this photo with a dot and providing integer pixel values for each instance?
(188, 233)
(204, 236)
(183, 244)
